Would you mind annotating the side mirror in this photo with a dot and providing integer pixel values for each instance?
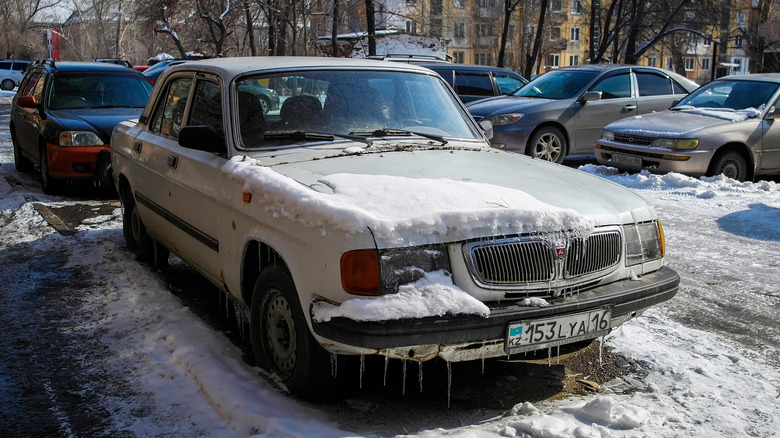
(590, 95)
(202, 138)
(773, 113)
(28, 102)
(487, 127)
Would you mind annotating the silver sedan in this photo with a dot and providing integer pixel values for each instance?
(726, 127)
(562, 112)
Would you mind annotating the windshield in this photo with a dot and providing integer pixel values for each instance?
(98, 90)
(729, 95)
(281, 109)
(557, 84)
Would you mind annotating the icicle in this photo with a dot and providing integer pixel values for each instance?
(483, 366)
(420, 374)
(334, 364)
(558, 358)
(387, 361)
(449, 383)
(403, 388)
(362, 368)
(549, 356)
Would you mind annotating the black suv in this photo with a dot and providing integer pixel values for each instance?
(63, 114)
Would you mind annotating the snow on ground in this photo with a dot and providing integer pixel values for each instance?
(712, 353)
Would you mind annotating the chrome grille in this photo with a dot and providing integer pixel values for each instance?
(523, 261)
(639, 140)
(513, 262)
(598, 252)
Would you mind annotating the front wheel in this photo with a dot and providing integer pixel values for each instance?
(548, 144)
(8, 84)
(280, 337)
(730, 164)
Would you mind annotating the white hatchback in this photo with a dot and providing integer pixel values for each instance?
(12, 72)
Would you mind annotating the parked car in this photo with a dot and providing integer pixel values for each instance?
(117, 61)
(154, 72)
(12, 72)
(473, 82)
(63, 114)
(373, 218)
(268, 98)
(562, 112)
(726, 127)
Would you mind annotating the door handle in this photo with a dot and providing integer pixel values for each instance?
(173, 161)
(629, 107)
(137, 146)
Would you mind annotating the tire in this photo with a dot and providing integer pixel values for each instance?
(48, 184)
(21, 162)
(281, 342)
(548, 144)
(265, 104)
(730, 164)
(8, 84)
(134, 230)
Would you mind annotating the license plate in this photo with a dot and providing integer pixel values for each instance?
(541, 333)
(627, 161)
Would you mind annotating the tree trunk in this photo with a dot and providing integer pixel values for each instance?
(250, 28)
(334, 42)
(532, 58)
(371, 27)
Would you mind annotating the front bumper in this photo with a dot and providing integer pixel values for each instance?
(465, 337)
(656, 160)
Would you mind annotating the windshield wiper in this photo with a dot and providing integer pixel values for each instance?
(307, 135)
(388, 132)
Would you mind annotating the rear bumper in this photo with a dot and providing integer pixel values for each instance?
(626, 297)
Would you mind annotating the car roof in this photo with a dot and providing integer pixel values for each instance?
(230, 67)
(470, 67)
(69, 66)
(768, 77)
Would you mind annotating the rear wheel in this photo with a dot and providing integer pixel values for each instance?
(134, 230)
(20, 161)
(730, 164)
(547, 144)
(8, 84)
(280, 337)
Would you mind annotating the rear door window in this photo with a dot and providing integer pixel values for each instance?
(474, 84)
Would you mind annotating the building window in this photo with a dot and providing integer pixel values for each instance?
(459, 31)
(556, 5)
(668, 64)
(411, 2)
(411, 27)
(574, 59)
(436, 7)
(690, 64)
(705, 64)
(436, 27)
(652, 61)
(576, 7)
(555, 32)
(484, 30)
(738, 41)
(484, 59)
(319, 29)
(741, 18)
(555, 60)
(575, 33)
(460, 4)
(459, 57)
(486, 3)
(707, 40)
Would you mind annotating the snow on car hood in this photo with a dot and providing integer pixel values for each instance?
(427, 196)
(680, 123)
(99, 120)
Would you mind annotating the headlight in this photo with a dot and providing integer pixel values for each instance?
(80, 138)
(644, 242)
(607, 135)
(676, 143)
(505, 119)
(372, 272)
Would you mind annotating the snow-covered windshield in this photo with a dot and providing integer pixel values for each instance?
(729, 96)
(305, 106)
(560, 84)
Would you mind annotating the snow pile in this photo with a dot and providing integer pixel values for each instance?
(432, 295)
(454, 210)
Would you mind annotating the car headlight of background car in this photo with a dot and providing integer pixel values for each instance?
(608, 135)
(505, 119)
(644, 242)
(676, 143)
(372, 272)
(80, 138)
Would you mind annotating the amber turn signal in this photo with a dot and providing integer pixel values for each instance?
(360, 272)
